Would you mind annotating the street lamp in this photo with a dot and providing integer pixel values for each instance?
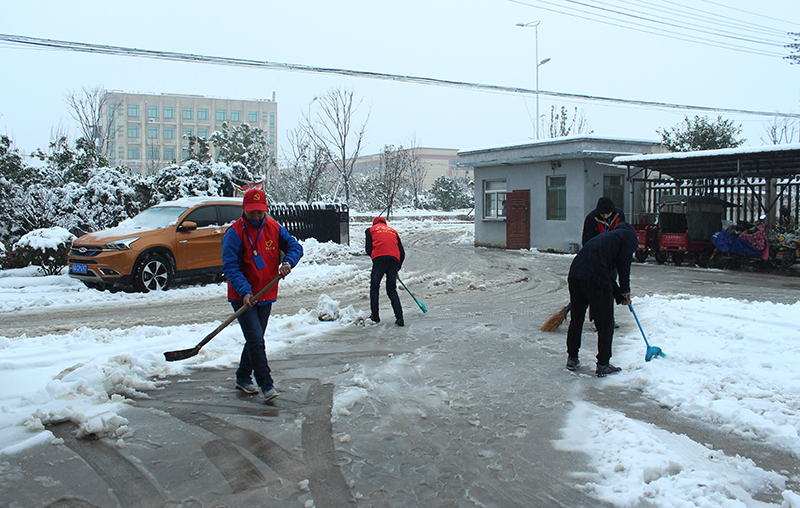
(535, 25)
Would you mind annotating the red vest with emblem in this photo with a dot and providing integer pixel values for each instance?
(267, 246)
(384, 241)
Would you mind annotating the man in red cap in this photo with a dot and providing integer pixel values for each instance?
(386, 250)
(251, 258)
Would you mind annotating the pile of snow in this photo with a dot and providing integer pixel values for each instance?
(42, 239)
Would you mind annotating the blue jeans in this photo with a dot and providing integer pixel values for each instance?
(254, 355)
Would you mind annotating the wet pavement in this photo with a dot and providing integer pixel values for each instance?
(458, 408)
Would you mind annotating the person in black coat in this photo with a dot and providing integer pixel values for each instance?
(592, 285)
(602, 219)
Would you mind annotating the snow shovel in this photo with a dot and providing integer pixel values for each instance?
(421, 305)
(652, 351)
(183, 354)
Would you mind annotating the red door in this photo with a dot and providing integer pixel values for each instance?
(518, 219)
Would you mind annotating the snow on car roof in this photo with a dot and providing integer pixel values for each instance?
(197, 200)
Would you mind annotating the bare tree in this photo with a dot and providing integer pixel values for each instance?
(335, 131)
(306, 166)
(87, 107)
(391, 175)
(417, 170)
(780, 131)
(561, 126)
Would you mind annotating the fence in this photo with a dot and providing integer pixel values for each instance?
(325, 223)
(778, 198)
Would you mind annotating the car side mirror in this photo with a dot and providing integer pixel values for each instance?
(187, 225)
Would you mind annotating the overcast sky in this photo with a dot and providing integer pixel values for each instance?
(474, 41)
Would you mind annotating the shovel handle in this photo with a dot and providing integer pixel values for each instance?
(630, 306)
(238, 313)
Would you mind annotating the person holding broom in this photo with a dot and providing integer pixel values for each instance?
(592, 285)
(383, 245)
(251, 259)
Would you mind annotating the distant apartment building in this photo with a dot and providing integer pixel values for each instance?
(436, 162)
(149, 131)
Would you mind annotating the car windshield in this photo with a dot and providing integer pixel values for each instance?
(155, 218)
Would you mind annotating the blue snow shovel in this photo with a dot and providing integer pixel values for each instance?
(421, 305)
(652, 351)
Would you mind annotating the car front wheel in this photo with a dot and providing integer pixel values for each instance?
(153, 274)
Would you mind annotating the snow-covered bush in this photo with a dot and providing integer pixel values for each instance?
(46, 248)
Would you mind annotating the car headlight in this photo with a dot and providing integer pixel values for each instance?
(121, 244)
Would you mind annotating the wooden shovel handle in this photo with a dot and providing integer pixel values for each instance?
(237, 313)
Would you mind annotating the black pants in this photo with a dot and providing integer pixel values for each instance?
(385, 266)
(583, 295)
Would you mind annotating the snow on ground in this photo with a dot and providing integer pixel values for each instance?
(730, 363)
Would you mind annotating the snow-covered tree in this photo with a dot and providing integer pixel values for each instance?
(245, 145)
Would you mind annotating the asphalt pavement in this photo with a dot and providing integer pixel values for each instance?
(457, 408)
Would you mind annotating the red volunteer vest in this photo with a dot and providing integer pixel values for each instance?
(384, 241)
(267, 246)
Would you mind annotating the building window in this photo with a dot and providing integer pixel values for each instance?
(187, 133)
(169, 154)
(169, 112)
(133, 152)
(133, 131)
(494, 199)
(152, 133)
(236, 116)
(202, 114)
(614, 188)
(112, 108)
(556, 198)
(112, 153)
(252, 117)
(152, 153)
(202, 133)
(152, 111)
(111, 131)
(133, 111)
(169, 132)
(186, 153)
(272, 120)
(272, 139)
(221, 115)
(188, 113)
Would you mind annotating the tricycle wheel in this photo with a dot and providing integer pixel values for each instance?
(661, 256)
(678, 257)
(787, 259)
(703, 257)
(726, 262)
(640, 255)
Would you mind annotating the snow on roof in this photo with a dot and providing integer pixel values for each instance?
(626, 159)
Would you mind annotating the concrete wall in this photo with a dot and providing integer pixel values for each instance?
(583, 160)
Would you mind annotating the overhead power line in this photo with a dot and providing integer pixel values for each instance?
(240, 62)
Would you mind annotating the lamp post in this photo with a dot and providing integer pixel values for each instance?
(535, 25)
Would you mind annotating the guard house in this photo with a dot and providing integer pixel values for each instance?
(537, 194)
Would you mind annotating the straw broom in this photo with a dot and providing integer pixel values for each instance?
(554, 321)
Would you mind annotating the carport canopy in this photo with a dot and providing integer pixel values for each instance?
(773, 161)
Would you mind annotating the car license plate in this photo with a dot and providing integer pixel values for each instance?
(78, 268)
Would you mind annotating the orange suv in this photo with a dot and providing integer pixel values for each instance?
(174, 239)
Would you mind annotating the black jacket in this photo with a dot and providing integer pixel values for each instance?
(602, 254)
(593, 223)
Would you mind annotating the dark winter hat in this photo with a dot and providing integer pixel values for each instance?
(255, 199)
(377, 220)
(605, 205)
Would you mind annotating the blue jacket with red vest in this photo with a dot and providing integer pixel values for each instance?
(384, 241)
(268, 239)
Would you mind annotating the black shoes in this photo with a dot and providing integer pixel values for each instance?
(399, 322)
(375, 318)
